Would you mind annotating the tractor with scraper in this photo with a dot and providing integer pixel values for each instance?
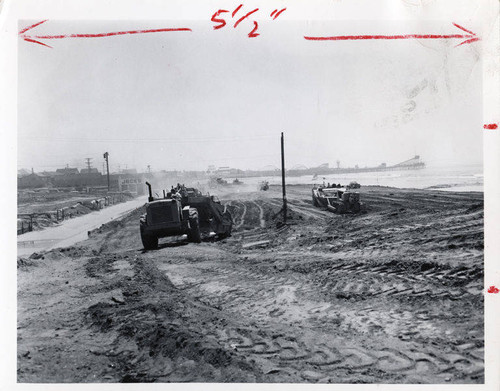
(183, 211)
(337, 199)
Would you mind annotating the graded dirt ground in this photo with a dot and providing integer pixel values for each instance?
(391, 296)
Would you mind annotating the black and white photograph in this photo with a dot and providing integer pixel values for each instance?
(256, 192)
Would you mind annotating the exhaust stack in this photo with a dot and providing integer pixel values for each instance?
(150, 198)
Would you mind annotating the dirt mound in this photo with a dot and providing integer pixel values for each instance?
(25, 263)
(150, 319)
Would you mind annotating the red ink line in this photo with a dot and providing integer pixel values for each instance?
(469, 38)
(279, 13)
(272, 13)
(109, 34)
(244, 17)
(410, 36)
(40, 43)
(493, 289)
(490, 126)
(468, 41)
(32, 26)
(463, 28)
(236, 10)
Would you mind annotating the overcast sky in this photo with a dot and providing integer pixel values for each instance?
(187, 100)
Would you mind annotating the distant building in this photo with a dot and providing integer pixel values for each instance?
(33, 181)
(223, 171)
(132, 171)
(131, 183)
(414, 161)
(211, 170)
(22, 172)
(92, 170)
(67, 171)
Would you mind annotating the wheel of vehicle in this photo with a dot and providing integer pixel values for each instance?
(148, 241)
(230, 219)
(227, 220)
(341, 208)
(194, 234)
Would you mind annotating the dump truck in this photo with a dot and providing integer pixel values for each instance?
(183, 211)
(337, 199)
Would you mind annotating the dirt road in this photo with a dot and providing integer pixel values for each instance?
(73, 231)
(391, 296)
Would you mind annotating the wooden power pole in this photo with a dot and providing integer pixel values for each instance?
(283, 176)
(107, 166)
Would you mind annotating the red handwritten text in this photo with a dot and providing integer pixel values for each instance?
(220, 22)
(493, 289)
(490, 126)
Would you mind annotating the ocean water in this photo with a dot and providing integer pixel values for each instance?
(456, 178)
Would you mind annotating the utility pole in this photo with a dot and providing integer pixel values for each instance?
(89, 163)
(283, 176)
(107, 166)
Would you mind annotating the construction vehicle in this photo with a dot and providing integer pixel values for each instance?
(183, 211)
(337, 199)
(217, 182)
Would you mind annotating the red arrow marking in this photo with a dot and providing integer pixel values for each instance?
(34, 38)
(471, 37)
(32, 26)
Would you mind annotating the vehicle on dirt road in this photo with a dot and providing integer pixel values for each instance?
(337, 200)
(264, 186)
(215, 183)
(183, 211)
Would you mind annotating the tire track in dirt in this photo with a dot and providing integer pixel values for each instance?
(319, 300)
(242, 216)
(276, 302)
(261, 215)
(309, 212)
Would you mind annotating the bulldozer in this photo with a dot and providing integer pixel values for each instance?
(183, 211)
(337, 199)
(264, 185)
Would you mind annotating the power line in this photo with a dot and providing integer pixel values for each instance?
(146, 140)
(89, 164)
